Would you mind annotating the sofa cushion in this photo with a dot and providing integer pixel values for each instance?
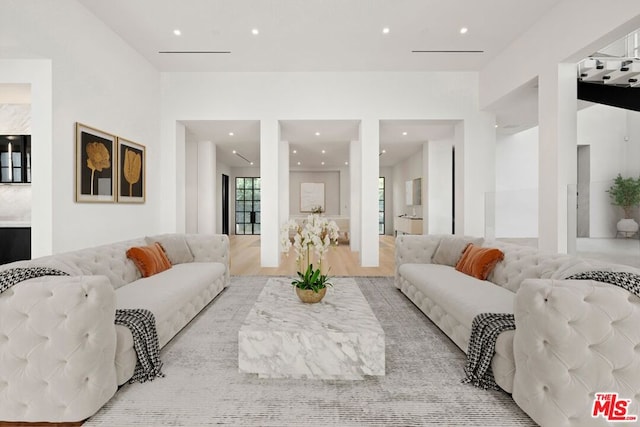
(150, 259)
(461, 296)
(478, 262)
(162, 293)
(451, 247)
(174, 245)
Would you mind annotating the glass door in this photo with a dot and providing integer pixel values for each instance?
(247, 205)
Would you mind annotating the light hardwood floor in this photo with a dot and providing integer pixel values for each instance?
(245, 259)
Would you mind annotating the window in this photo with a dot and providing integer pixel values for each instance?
(15, 158)
(247, 205)
(381, 205)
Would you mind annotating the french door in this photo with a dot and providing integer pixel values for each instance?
(247, 205)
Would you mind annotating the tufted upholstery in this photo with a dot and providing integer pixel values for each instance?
(575, 338)
(180, 294)
(452, 299)
(61, 356)
(57, 344)
(572, 338)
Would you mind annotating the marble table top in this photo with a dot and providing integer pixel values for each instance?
(343, 309)
(337, 338)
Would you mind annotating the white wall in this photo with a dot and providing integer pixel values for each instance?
(613, 135)
(331, 181)
(368, 97)
(440, 185)
(604, 129)
(99, 80)
(516, 196)
(191, 186)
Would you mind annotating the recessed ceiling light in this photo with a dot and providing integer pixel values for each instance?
(464, 30)
(251, 163)
(299, 163)
(323, 151)
(404, 133)
(384, 151)
(231, 133)
(346, 163)
(385, 30)
(177, 32)
(234, 151)
(317, 133)
(295, 151)
(496, 126)
(255, 32)
(322, 163)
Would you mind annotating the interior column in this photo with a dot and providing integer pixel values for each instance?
(283, 183)
(557, 106)
(206, 187)
(269, 193)
(370, 171)
(356, 200)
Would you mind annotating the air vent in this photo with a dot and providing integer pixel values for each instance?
(447, 51)
(195, 51)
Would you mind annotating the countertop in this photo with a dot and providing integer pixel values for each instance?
(15, 224)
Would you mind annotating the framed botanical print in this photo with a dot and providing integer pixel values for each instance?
(95, 165)
(131, 172)
(312, 197)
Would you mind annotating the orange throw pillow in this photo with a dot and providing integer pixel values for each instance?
(150, 260)
(479, 262)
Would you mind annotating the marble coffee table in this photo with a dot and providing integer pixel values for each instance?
(337, 338)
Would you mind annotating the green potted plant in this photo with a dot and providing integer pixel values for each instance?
(313, 237)
(625, 192)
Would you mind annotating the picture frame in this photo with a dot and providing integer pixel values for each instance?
(95, 165)
(132, 169)
(312, 196)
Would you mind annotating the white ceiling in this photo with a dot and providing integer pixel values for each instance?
(334, 138)
(319, 35)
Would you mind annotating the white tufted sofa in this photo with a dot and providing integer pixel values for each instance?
(61, 356)
(572, 339)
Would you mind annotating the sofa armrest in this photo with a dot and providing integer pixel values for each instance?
(210, 248)
(574, 339)
(57, 348)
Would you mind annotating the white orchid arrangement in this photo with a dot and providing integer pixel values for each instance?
(315, 235)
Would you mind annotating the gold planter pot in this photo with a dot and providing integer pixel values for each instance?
(309, 296)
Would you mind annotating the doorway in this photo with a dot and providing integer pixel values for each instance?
(225, 204)
(584, 177)
(248, 205)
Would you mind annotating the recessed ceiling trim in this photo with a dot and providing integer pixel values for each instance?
(194, 51)
(447, 51)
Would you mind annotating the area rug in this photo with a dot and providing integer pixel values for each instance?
(203, 386)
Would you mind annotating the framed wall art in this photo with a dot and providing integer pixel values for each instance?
(312, 197)
(131, 172)
(95, 165)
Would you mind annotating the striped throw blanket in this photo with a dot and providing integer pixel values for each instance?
(487, 326)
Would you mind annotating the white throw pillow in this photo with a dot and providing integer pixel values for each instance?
(175, 246)
(451, 247)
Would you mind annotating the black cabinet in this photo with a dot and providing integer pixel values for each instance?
(15, 244)
(15, 158)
